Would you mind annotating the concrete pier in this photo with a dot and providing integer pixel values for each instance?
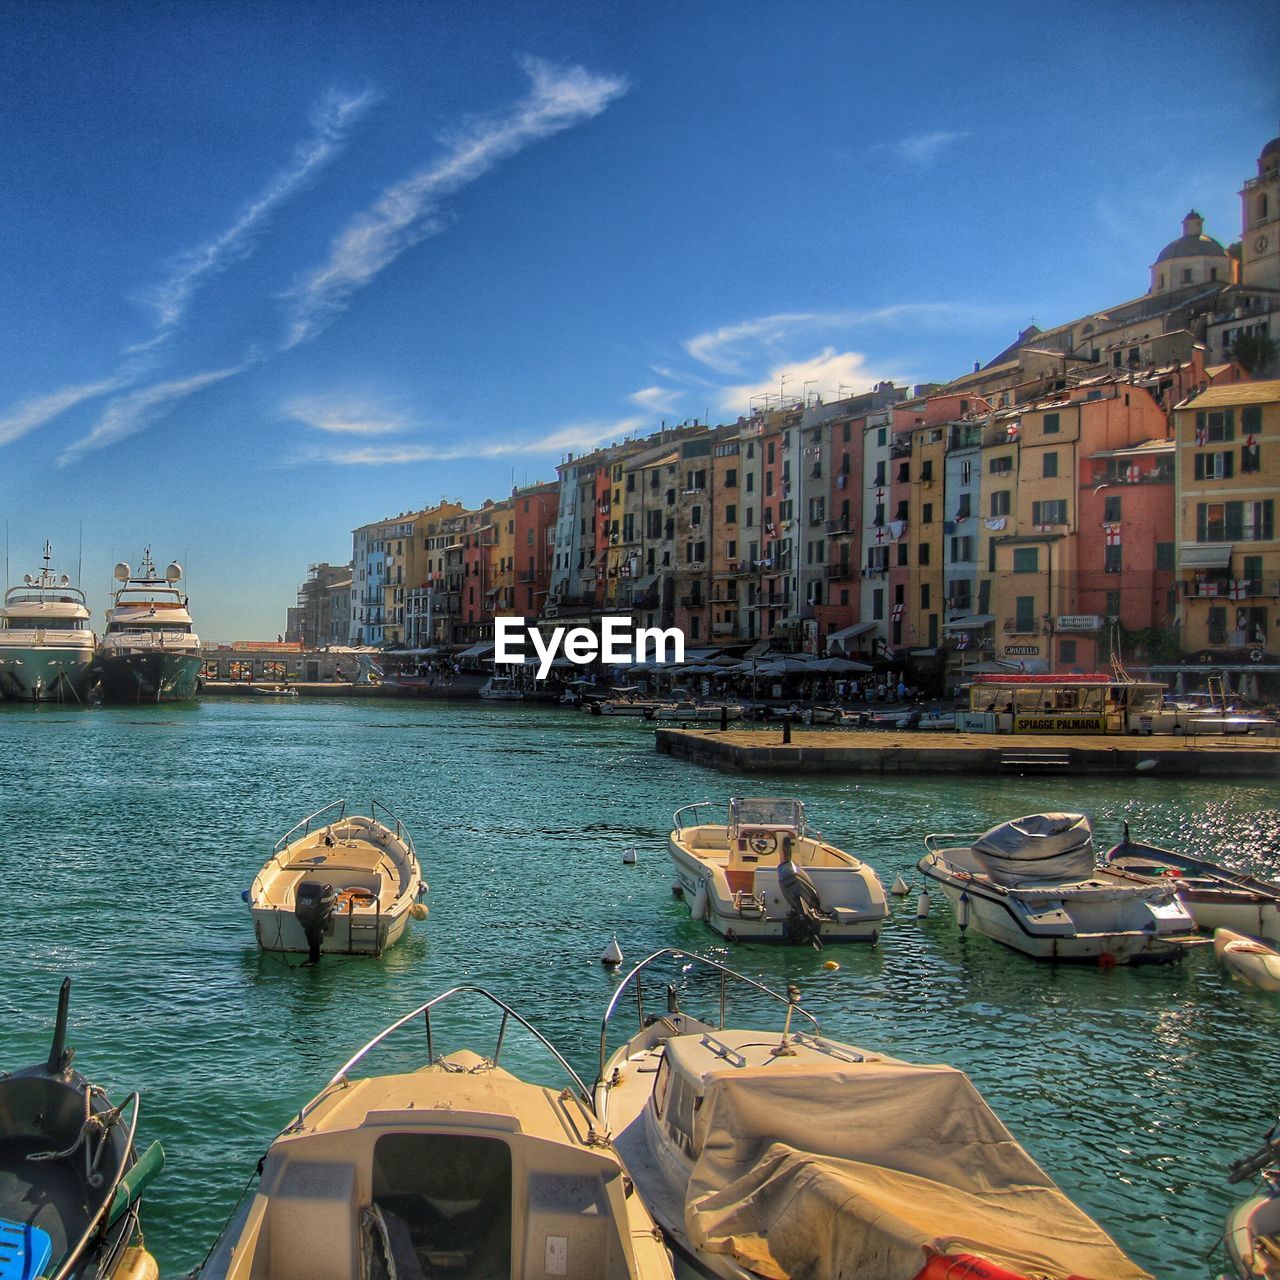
(874, 751)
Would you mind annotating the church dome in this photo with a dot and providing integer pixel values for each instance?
(1193, 243)
(1271, 152)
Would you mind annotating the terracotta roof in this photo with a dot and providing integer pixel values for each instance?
(1240, 393)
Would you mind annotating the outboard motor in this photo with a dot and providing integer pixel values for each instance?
(313, 910)
(807, 913)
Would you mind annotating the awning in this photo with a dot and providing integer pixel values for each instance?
(1204, 555)
(478, 650)
(848, 633)
(791, 620)
(971, 623)
(640, 585)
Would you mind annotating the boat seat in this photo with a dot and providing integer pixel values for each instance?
(24, 1250)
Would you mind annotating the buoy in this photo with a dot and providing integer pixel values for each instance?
(900, 887)
(244, 895)
(629, 856)
(962, 912)
(699, 908)
(830, 964)
(612, 954)
(922, 905)
(418, 911)
(1143, 765)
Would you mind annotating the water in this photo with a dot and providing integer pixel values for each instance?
(129, 835)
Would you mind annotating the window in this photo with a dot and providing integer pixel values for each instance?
(877, 604)
(768, 484)
(1253, 574)
(1111, 510)
(966, 476)
(958, 595)
(962, 511)
(1051, 424)
(1050, 465)
(1186, 275)
(1050, 512)
(769, 456)
(1250, 458)
(1235, 521)
(731, 514)
(1000, 505)
(695, 516)
(1066, 650)
(924, 553)
(1215, 426)
(731, 478)
(1026, 559)
(879, 480)
(1111, 560)
(1251, 419)
(924, 595)
(1024, 613)
(961, 549)
(1164, 556)
(904, 472)
(751, 482)
(881, 437)
(1001, 466)
(903, 549)
(926, 471)
(926, 513)
(1214, 466)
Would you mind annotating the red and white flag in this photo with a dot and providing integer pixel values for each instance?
(898, 611)
(1237, 588)
(1133, 473)
(1113, 535)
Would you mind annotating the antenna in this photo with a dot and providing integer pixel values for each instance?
(80, 559)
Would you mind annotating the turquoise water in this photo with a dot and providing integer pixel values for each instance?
(129, 835)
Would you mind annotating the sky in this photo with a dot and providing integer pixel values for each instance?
(274, 270)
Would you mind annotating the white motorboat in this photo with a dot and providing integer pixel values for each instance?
(458, 1168)
(149, 651)
(273, 691)
(780, 1153)
(338, 883)
(1031, 883)
(1252, 1237)
(762, 874)
(1255, 962)
(46, 642)
(501, 689)
(698, 712)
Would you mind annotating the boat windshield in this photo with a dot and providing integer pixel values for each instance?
(117, 628)
(766, 813)
(41, 623)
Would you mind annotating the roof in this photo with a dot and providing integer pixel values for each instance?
(1234, 394)
(1192, 247)
(1138, 450)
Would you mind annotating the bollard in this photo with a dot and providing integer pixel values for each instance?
(786, 730)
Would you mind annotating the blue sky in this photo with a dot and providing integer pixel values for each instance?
(275, 270)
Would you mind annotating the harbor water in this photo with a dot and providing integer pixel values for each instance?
(129, 835)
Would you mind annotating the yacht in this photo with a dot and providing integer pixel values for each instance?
(46, 643)
(457, 1168)
(150, 651)
(764, 1148)
(764, 875)
(1032, 884)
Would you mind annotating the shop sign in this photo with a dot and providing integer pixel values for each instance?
(1023, 650)
(1059, 724)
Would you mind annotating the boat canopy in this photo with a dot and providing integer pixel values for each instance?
(1041, 846)
(927, 1164)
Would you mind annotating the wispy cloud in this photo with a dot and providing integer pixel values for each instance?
(924, 148)
(342, 415)
(38, 410)
(409, 212)
(577, 438)
(331, 121)
(127, 415)
(730, 349)
(656, 399)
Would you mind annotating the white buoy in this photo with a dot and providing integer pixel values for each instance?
(611, 957)
(962, 912)
(629, 856)
(900, 887)
(699, 908)
(1144, 765)
(922, 905)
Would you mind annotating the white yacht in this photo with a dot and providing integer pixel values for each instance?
(150, 651)
(46, 643)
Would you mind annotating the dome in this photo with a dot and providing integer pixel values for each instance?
(1192, 247)
(1270, 152)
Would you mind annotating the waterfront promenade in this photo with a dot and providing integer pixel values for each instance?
(903, 751)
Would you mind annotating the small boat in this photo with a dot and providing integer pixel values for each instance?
(501, 689)
(71, 1180)
(149, 651)
(1247, 958)
(338, 883)
(763, 875)
(46, 642)
(769, 1151)
(1252, 1237)
(623, 707)
(273, 691)
(697, 712)
(1216, 897)
(458, 1168)
(1031, 883)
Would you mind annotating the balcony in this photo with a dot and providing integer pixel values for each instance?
(1022, 627)
(841, 571)
(1244, 589)
(527, 576)
(692, 602)
(722, 628)
(837, 527)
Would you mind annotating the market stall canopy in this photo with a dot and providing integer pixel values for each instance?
(837, 640)
(836, 666)
(478, 650)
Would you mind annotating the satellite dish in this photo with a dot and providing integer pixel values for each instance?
(28, 579)
(64, 581)
(121, 572)
(173, 572)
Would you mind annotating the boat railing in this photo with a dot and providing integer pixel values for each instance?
(1266, 1155)
(341, 1077)
(688, 815)
(635, 979)
(377, 807)
(937, 841)
(303, 828)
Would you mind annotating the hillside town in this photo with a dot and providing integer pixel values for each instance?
(1103, 489)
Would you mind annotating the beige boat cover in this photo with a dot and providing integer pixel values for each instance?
(856, 1174)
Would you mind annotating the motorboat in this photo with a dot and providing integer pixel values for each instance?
(149, 651)
(71, 1179)
(1247, 958)
(762, 874)
(623, 707)
(1217, 897)
(46, 642)
(459, 1168)
(273, 691)
(501, 689)
(697, 712)
(763, 1150)
(1252, 1236)
(1032, 884)
(338, 883)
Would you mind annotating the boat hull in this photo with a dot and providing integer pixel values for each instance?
(1060, 929)
(278, 930)
(1246, 1223)
(45, 674)
(128, 679)
(1252, 961)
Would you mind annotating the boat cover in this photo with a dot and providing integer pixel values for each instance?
(917, 1162)
(1041, 846)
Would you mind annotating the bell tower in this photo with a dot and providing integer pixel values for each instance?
(1260, 222)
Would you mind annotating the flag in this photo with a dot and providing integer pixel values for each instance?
(1133, 473)
(1012, 430)
(1113, 535)
(898, 611)
(1202, 435)
(962, 640)
(1237, 588)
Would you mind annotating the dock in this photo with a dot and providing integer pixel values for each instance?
(905, 752)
